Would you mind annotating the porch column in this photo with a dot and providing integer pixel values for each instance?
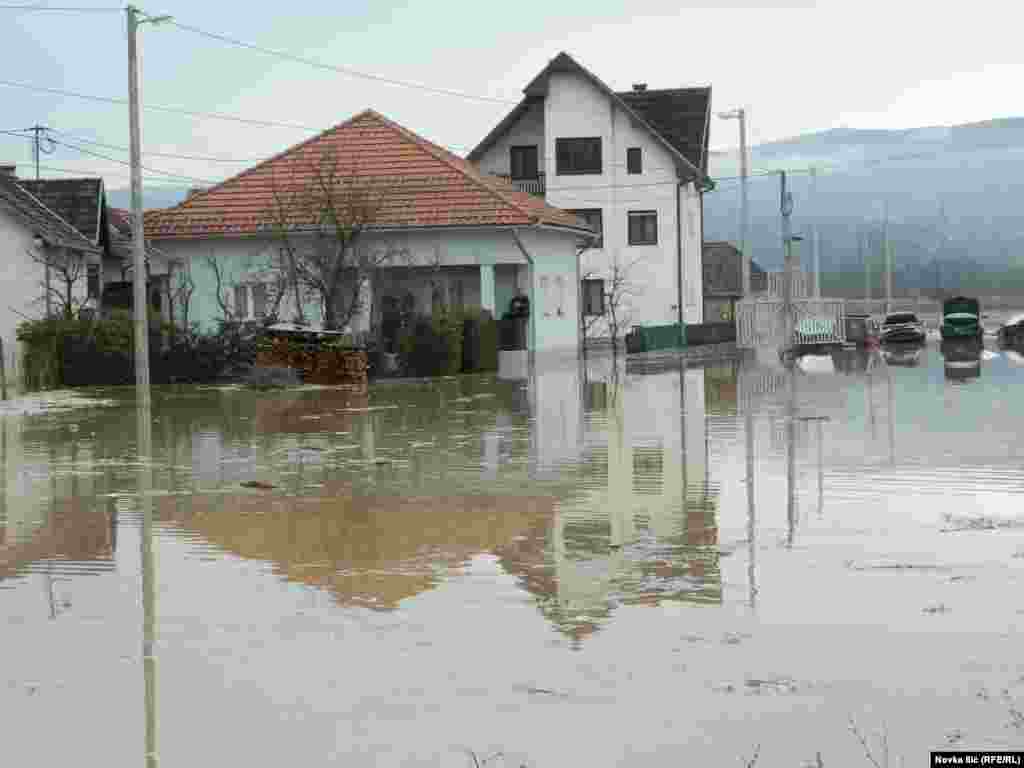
(363, 317)
(487, 300)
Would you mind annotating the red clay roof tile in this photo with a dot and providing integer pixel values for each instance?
(433, 187)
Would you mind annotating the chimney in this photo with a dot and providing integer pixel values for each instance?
(639, 87)
(9, 171)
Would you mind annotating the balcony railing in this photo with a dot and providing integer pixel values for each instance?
(531, 186)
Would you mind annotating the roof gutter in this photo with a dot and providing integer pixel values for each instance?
(679, 254)
(533, 305)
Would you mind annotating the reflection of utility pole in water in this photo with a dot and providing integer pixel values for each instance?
(145, 481)
(821, 472)
(871, 392)
(892, 422)
(791, 459)
(751, 521)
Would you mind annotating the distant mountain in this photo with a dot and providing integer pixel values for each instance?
(951, 197)
(152, 197)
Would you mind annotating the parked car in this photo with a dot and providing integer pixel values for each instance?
(1011, 333)
(961, 319)
(902, 327)
(861, 329)
(903, 354)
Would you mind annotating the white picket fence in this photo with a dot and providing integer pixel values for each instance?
(761, 322)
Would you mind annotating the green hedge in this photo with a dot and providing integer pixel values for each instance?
(433, 346)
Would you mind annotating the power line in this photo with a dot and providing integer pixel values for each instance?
(59, 9)
(155, 108)
(83, 172)
(172, 110)
(340, 70)
(125, 162)
(203, 158)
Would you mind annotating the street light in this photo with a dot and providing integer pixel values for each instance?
(741, 115)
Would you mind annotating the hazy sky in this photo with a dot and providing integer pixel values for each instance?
(798, 67)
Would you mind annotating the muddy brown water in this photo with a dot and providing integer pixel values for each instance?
(566, 569)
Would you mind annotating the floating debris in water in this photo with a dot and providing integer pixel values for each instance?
(933, 609)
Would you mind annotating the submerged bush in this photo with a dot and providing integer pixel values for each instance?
(80, 351)
(434, 345)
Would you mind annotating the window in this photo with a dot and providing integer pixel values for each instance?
(634, 160)
(593, 218)
(643, 228)
(241, 302)
(524, 163)
(577, 156)
(92, 281)
(259, 301)
(593, 298)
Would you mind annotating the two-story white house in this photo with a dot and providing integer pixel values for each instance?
(633, 165)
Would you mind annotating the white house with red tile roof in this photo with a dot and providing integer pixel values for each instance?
(633, 164)
(465, 237)
(31, 235)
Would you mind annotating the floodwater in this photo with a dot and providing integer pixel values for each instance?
(641, 564)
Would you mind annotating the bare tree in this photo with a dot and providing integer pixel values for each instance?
(322, 215)
(221, 284)
(66, 270)
(618, 288)
(182, 289)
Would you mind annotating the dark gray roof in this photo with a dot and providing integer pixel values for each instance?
(38, 218)
(78, 201)
(675, 139)
(681, 115)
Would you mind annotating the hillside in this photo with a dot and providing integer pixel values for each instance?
(951, 194)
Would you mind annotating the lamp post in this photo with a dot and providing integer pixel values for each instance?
(741, 115)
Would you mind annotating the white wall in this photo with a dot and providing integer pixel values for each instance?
(575, 108)
(528, 130)
(21, 289)
(555, 310)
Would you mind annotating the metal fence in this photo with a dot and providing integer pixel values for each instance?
(761, 322)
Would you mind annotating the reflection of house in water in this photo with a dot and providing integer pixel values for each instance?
(369, 551)
(51, 518)
(640, 525)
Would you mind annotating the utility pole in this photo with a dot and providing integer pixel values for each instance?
(38, 132)
(862, 252)
(786, 208)
(745, 246)
(138, 230)
(815, 249)
(888, 261)
(140, 298)
(144, 420)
